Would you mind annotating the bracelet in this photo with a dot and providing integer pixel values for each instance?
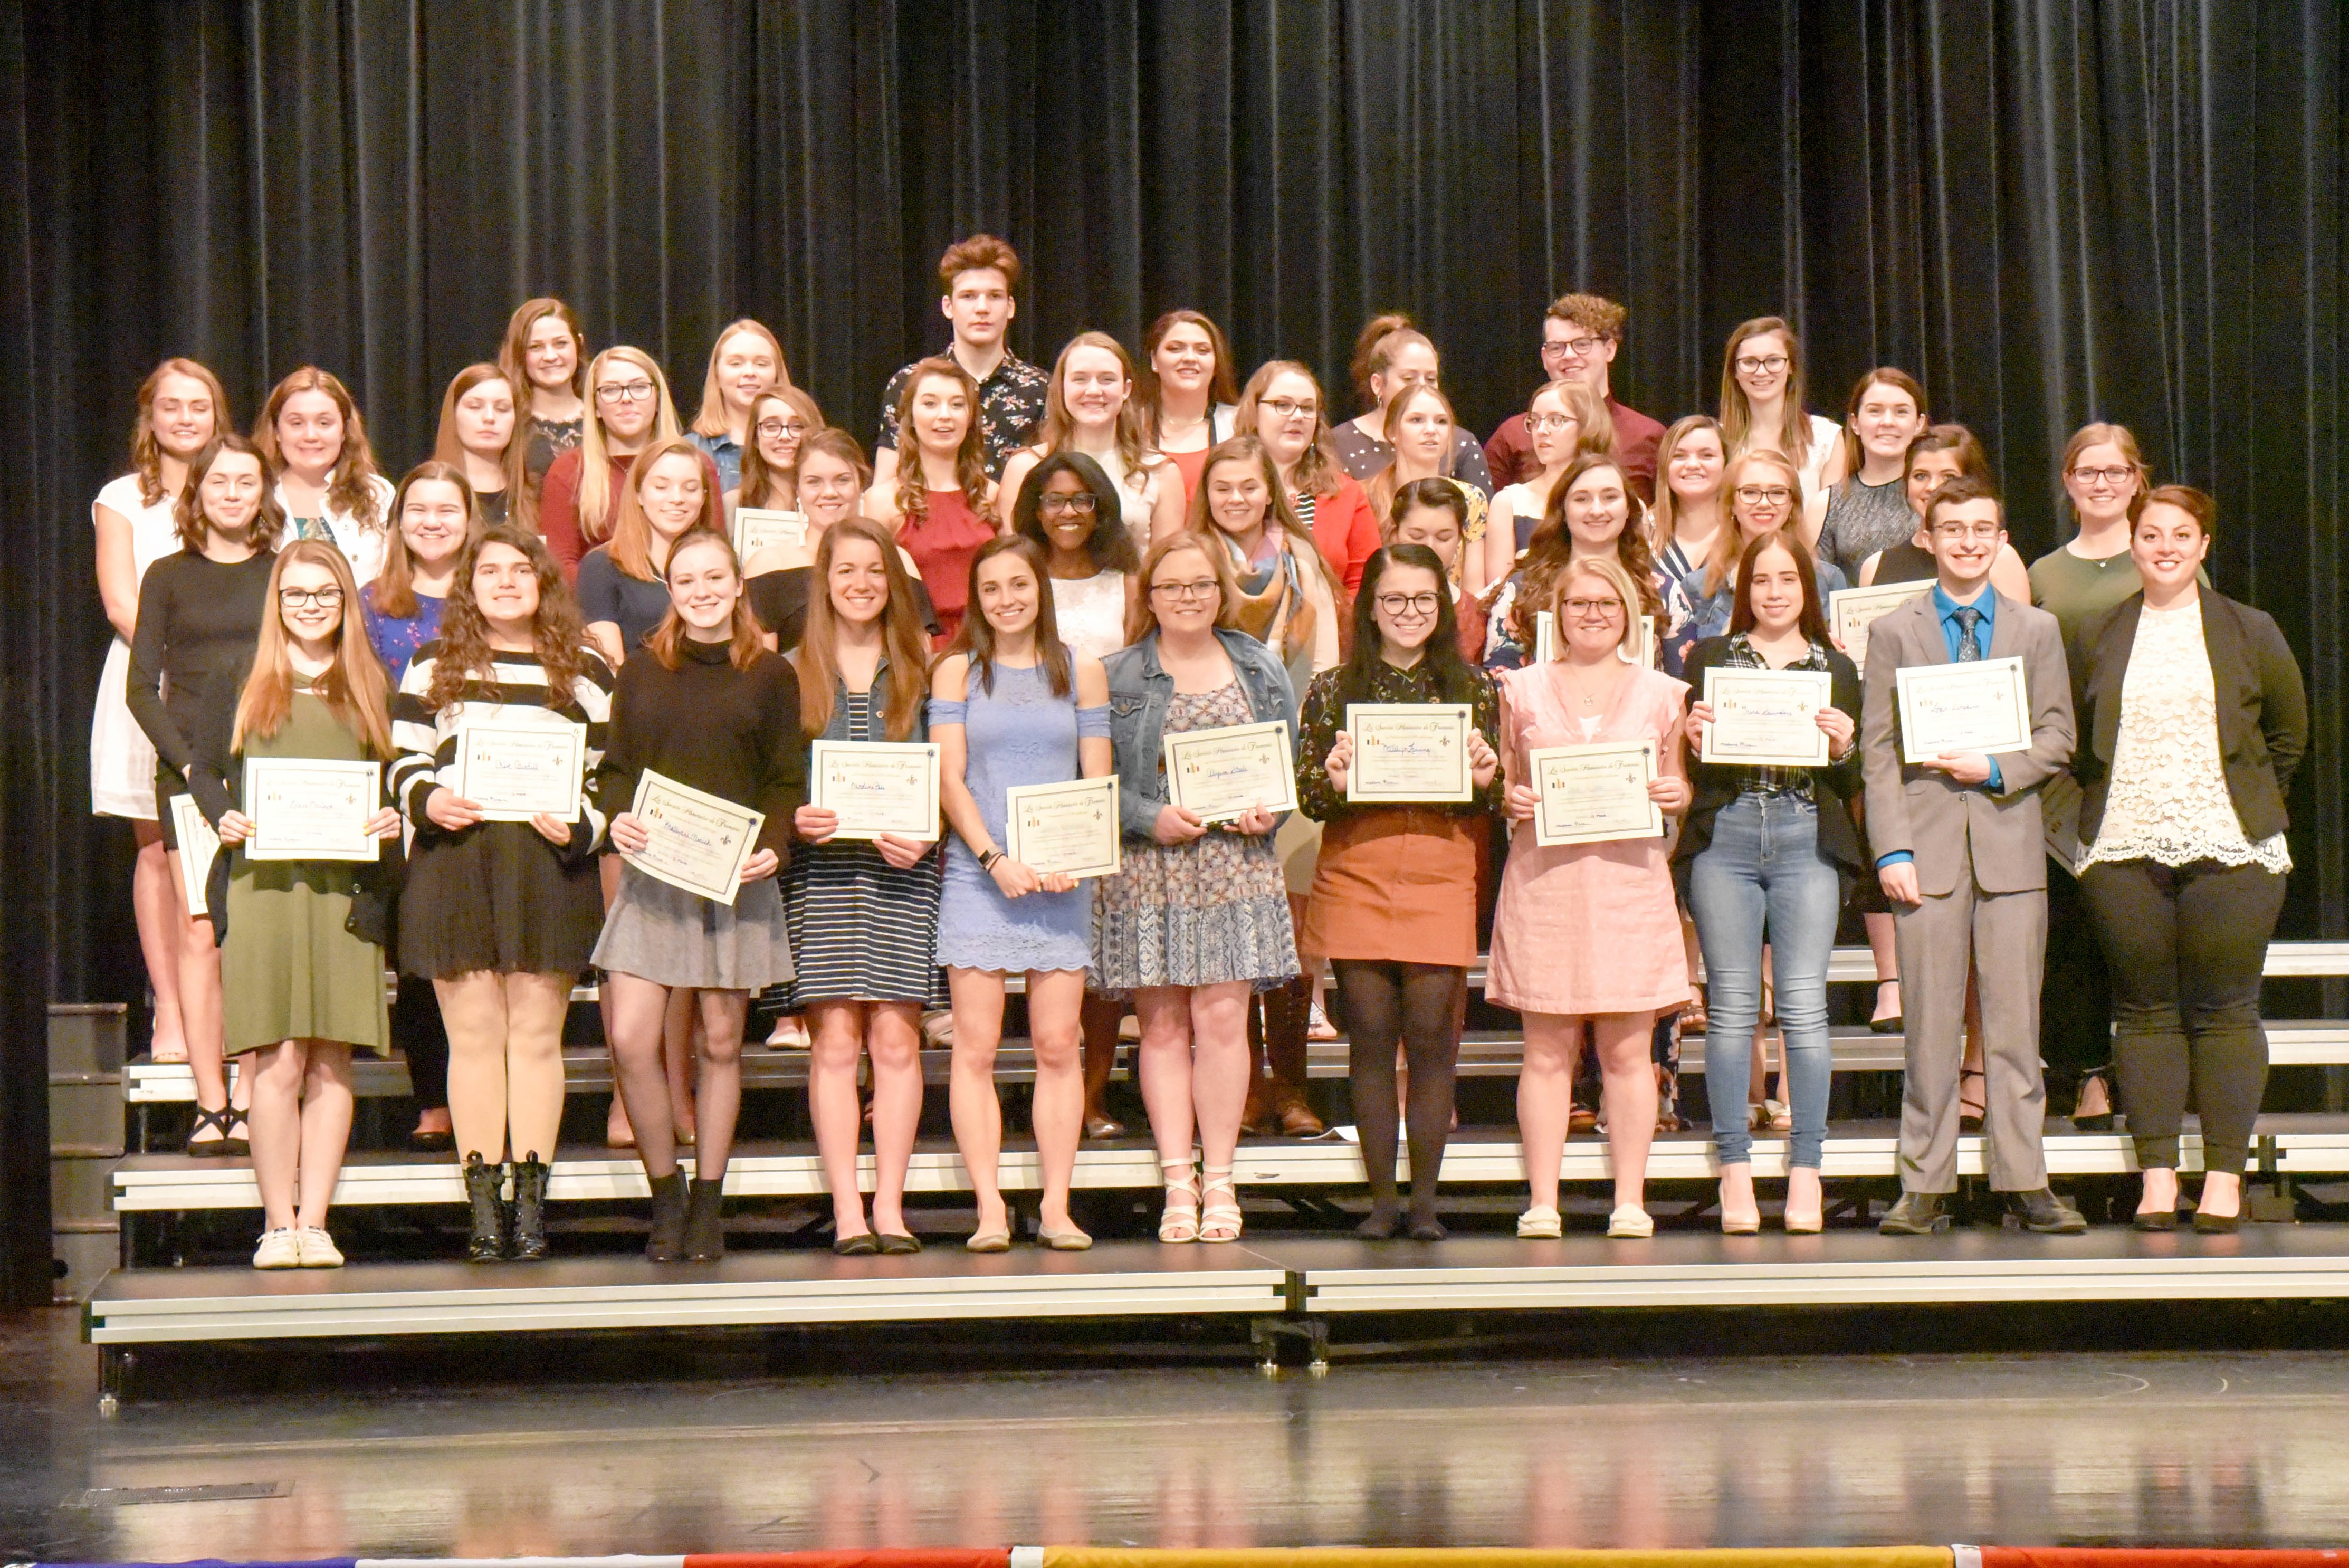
(987, 862)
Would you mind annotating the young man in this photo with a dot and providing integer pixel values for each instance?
(978, 276)
(1958, 849)
(1580, 333)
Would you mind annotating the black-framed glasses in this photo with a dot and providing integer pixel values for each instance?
(1083, 501)
(1206, 589)
(2113, 476)
(1762, 364)
(772, 429)
(1571, 348)
(625, 392)
(1759, 495)
(1412, 603)
(297, 598)
(1289, 407)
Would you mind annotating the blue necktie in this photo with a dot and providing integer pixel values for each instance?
(1969, 651)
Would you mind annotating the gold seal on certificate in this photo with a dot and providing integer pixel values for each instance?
(1408, 751)
(1766, 718)
(1069, 827)
(517, 771)
(305, 808)
(694, 840)
(876, 787)
(1949, 710)
(1852, 610)
(198, 845)
(1219, 774)
(757, 527)
(1594, 794)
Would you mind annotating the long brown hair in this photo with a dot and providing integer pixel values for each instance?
(1059, 425)
(1384, 484)
(1814, 618)
(354, 686)
(1792, 435)
(974, 639)
(760, 484)
(1552, 544)
(1664, 516)
(710, 420)
(347, 490)
(522, 502)
(902, 641)
(558, 638)
(744, 645)
(188, 512)
(970, 457)
(1317, 471)
(514, 350)
(146, 451)
(631, 546)
(1222, 387)
(395, 585)
(1729, 545)
(597, 501)
(1885, 375)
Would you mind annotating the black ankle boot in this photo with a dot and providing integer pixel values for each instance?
(484, 1191)
(667, 1243)
(530, 1208)
(705, 1221)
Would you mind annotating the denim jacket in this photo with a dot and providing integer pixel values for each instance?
(1141, 692)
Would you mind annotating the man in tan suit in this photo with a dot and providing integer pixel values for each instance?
(1956, 842)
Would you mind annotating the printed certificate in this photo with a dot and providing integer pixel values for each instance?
(876, 787)
(1595, 794)
(1408, 751)
(1220, 774)
(1766, 717)
(198, 845)
(697, 841)
(516, 771)
(757, 527)
(1946, 709)
(305, 809)
(1852, 610)
(1070, 827)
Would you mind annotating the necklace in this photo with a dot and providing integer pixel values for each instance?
(1582, 690)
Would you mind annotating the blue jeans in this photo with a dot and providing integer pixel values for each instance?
(1762, 878)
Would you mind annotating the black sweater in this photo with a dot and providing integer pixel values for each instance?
(199, 620)
(1717, 785)
(730, 733)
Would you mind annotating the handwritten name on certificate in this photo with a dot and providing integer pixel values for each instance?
(304, 808)
(1595, 794)
(1766, 718)
(1852, 610)
(876, 787)
(517, 771)
(694, 840)
(1067, 828)
(1219, 774)
(198, 845)
(1408, 751)
(757, 527)
(1946, 709)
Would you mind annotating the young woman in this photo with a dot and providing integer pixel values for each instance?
(200, 615)
(1589, 519)
(1589, 933)
(1091, 409)
(781, 421)
(1940, 454)
(1766, 491)
(501, 916)
(1393, 906)
(624, 593)
(328, 486)
(1011, 705)
(707, 707)
(1062, 506)
(581, 494)
(544, 356)
(1283, 408)
(746, 362)
(864, 915)
(1689, 512)
(1419, 421)
(1187, 395)
(181, 409)
(2193, 719)
(302, 956)
(1391, 354)
(1566, 421)
(1764, 857)
(1761, 410)
(1868, 509)
(830, 478)
(940, 505)
(478, 427)
(1196, 920)
(1434, 513)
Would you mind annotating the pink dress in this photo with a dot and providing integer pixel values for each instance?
(1586, 928)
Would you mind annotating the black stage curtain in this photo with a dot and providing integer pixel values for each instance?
(2050, 211)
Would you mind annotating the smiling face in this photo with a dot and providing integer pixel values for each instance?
(1068, 512)
(232, 492)
(1597, 507)
(979, 305)
(1695, 469)
(1184, 359)
(1888, 420)
(1406, 606)
(505, 586)
(1436, 528)
(828, 491)
(1928, 473)
(747, 366)
(2168, 545)
(310, 432)
(2101, 481)
(1762, 364)
(858, 581)
(1762, 497)
(1776, 589)
(1287, 416)
(1591, 616)
(309, 601)
(1421, 435)
(779, 430)
(941, 415)
(1095, 387)
(484, 417)
(1553, 427)
(432, 522)
(1183, 592)
(626, 399)
(673, 492)
(1964, 537)
(1007, 593)
(1575, 352)
(1412, 364)
(1238, 498)
(550, 355)
(703, 587)
(183, 416)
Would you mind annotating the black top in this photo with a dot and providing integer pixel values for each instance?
(730, 733)
(1716, 785)
(779, 602)
(609, 594)
(199, 620)
(1905, 562)
(492, 507)
(1322, 719)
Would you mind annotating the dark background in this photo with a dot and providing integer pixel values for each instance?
(2049, 212)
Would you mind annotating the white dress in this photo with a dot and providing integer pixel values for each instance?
(362, 543)
(1827, 440)
(121, 757)
(1091, 612)
(1139, 505)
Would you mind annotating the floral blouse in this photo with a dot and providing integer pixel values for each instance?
(1322, 718)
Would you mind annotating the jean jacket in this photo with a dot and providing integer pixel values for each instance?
(1141, 692)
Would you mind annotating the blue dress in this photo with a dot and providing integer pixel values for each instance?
(1018, 734)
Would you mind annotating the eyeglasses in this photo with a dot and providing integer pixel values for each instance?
(771, 428)
(2114, 476)
(1576, 348)
(627, 392)
(1290, 408)
(1752, 365)
(1412, 603)
(1079, 502)
(1760, 495)
(1188, 591)
(1955, 532)
(1551, 421)
(1593, 609)
(324, 598)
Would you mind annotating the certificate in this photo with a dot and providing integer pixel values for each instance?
(1595, 794)
(1408, 751)
(1946, 709)
(757, 527)
(694, 840)
(1766, 718)
(1852, 610)
(517, 771)
(1219, 774)
(876, 787)
(1070, 827)
(304, 808)
(198, 845)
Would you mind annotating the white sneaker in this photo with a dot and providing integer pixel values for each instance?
(1539, 1223)
(318, 1249)
(278, 1250)
(1630, 1223)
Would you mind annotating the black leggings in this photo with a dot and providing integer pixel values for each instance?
(1415, 1006)
(416, 1030)
(2187, 946)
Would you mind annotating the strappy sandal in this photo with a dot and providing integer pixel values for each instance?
(220, 1121)
(1971, 1111)
(1179, 1221)
(238, 1144)
(1219, 1221)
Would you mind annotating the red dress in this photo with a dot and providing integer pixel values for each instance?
(942, 544)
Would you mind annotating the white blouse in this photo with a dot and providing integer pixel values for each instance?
(362, 541)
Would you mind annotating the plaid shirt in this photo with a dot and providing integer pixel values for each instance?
(1762, 779)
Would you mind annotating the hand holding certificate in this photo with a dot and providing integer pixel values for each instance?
(1066, 830)
(1218, 775)
(517, 771)
(876, 788)
(305, 809)
(1594, 794)
(1981, 707)
(1408, 751)
(692, 840)
(1766, 718)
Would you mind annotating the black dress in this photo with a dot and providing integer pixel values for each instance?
(199, 620)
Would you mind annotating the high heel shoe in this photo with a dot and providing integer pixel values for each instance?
(665, 1243)
(1218, 1222)
(1179, 1221)
(1811, 1218)
(1744, 1221)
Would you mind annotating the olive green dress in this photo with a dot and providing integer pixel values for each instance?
(289, 968)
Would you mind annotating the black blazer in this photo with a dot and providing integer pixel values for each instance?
(2262, 706)
(1716, 785)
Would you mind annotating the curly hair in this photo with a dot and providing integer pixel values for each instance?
(558, 637)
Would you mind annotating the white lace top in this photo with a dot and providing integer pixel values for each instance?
(1090, 611)
(2168, 801)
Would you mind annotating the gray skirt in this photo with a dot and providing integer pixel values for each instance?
(672, 938)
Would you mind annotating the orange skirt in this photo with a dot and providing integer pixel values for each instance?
(1397, 885)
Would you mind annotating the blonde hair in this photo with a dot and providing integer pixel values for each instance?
(1609, 571)
(1665, 514)
(1143, 621)
(146, 451)
(1317, 471)
(631, 545)
(1059, 425)
(1384, 484)
(354, 687)
(1730, 547)
(710, 420)
(595, 499)
(2101, 434)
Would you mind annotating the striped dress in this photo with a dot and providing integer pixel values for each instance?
(495, 896)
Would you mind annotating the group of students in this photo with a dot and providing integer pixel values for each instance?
(1046, 574)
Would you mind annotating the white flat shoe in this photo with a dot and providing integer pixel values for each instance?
(278, 1250)
(1631, 1223)
(1539, 1223)
(318, 1249)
